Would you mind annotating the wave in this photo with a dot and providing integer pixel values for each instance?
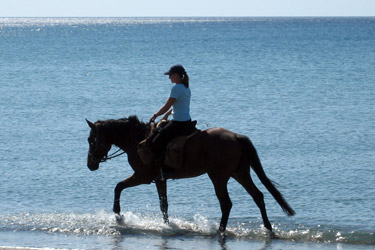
(106, 224)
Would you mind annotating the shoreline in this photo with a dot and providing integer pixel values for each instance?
(233, 245)
(24, 248)
(27, 248)
(31, 248)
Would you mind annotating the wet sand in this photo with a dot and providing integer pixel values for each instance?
(23, 248)
(27, 248)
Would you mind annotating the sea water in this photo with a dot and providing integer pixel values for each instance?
(302, 89)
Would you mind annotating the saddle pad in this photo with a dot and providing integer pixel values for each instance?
(145, 152)
(174, 154)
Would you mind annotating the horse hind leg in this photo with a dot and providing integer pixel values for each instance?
(245, 180)
(221, 191)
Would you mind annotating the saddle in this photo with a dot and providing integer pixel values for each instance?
(175, 149)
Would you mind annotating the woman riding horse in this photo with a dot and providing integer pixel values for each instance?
(220, 153)
(180, 100)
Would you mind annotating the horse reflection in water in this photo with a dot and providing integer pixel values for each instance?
(220, 153)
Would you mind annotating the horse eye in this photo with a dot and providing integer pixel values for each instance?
(91, 141)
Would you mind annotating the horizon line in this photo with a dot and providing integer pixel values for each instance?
(279, 16)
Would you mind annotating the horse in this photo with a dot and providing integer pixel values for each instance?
(220, 153)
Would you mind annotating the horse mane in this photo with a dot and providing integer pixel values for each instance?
(133, 119)
(118, 127)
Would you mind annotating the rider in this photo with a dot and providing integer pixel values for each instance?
(179, 99)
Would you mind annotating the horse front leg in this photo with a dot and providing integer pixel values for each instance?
(131, 181)
(162, 192)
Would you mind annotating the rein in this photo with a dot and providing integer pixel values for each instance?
(113, 155)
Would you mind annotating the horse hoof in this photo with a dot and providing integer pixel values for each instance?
(166, 221)
(119, 219)
(221, 230)
(273, 235)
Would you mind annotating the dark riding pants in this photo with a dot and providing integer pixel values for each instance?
(170, 131)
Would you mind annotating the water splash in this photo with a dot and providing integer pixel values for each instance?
(105, 224)
(73, 223)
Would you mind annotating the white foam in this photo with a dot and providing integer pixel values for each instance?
(103, 224)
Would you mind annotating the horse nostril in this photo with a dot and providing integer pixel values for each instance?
(93, 166)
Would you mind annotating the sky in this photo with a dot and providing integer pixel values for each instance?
(156, 8)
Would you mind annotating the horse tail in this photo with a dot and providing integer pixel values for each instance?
(257, 167)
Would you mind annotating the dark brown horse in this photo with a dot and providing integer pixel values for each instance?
(218, 152)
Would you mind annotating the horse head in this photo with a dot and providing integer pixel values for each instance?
(99, 146)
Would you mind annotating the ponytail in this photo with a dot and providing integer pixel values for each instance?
(185, 79)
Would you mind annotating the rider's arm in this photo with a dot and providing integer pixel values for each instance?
(165, 117)
(168, 104)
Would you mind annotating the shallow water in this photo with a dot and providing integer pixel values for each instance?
(301, 88)
(101, 231)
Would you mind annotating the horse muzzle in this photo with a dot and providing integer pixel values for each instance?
(93, 167)
(92, 163)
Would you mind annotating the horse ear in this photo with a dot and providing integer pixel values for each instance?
(90, 124)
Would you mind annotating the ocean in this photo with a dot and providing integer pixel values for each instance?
(302, 89)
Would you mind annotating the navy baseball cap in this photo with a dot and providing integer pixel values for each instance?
(176, 69)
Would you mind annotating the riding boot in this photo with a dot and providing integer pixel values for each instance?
(163, 173)
(159, 163)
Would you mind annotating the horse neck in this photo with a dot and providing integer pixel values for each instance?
(126, 136)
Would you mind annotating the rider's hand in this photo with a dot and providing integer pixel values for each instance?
(153, 117)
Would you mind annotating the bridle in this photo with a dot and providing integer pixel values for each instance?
(106, 156)
(113, 155)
